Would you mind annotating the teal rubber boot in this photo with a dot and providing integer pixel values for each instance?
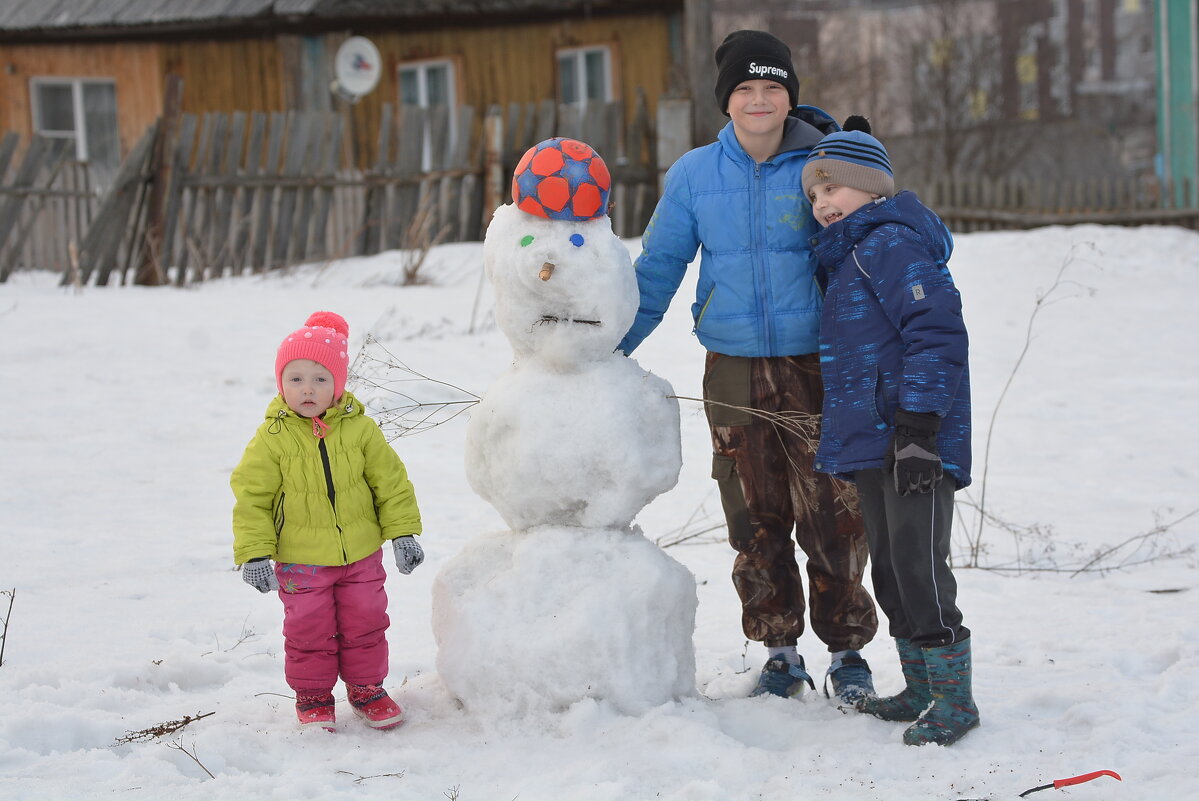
(953, 712)
(913, 699)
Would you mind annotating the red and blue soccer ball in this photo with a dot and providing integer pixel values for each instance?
(562, 179)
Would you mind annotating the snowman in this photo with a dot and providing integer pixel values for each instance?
(572, 602)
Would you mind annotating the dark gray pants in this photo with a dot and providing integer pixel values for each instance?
(909, 554)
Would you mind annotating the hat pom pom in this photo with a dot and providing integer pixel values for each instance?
(856, 122)
(327, 319)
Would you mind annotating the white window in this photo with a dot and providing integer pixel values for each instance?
(585, 73)
(82, 110)
(428, 84)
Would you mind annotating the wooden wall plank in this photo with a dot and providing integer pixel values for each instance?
(172, 252)
(245, 208)
(329, 164)
(266, 197)
(299, 131)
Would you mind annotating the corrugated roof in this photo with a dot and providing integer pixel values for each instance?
(64, 16)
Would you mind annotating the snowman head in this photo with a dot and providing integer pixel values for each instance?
(565, 290)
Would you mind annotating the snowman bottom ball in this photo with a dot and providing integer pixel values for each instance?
(537, 620)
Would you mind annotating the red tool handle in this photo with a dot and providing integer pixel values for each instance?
(1086, 777)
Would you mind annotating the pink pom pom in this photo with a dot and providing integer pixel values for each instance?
(327, 319)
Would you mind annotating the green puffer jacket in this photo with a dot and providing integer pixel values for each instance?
(313, 501)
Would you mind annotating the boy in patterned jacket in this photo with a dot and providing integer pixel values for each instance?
(893, 353)
(739, 202)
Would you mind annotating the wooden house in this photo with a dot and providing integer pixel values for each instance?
(94, 71)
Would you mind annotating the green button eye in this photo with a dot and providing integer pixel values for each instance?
(526, 241)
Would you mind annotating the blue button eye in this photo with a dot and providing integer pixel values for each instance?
(576, 240)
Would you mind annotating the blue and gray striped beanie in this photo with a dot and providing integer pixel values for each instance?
(850, 158)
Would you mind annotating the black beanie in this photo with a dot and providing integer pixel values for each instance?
(752, 55)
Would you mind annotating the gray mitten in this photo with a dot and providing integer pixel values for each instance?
(260, 574)
(409, 554)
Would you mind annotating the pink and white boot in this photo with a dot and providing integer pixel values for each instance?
(372, 703)
(316, 710)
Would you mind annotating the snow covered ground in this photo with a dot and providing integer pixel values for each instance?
(129, 407)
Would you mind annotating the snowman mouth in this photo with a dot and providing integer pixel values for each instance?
(549, 318)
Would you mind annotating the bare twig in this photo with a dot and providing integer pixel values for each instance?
(805, 426)
(1043, 300)
(247, 635)
(452, 793)
(1100, 559)
(745, 666)
(161, 730)
(339, 251)
(418, 241)
(379, 370)
(685, 532)
(12, 596)
(682, 535)
(178, 746)
(1138, 540)
(73, 274)
(360, 779)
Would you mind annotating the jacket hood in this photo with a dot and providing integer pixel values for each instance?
(348, 406)
(803, 128)
(904, 211)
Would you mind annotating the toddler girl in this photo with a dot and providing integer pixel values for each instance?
(318, 491)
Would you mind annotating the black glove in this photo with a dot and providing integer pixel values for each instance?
(913, 453)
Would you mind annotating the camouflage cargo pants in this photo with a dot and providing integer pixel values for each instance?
(769, 490)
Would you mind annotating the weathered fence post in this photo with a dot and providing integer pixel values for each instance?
(151, 271)
(674, 134)
(493, 163)
(111, 224)
(180, 162)
(240, 258)
(371, 235)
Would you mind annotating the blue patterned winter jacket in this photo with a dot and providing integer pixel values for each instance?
(892, 336)
(756, 293)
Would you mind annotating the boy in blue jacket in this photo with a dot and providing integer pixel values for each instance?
(740, 202)
(893, 352)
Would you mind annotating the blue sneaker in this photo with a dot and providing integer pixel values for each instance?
(851, 678)
(779, 677)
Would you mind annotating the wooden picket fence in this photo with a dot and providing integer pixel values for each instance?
(47, 203)
(979, 204)
(227, 193)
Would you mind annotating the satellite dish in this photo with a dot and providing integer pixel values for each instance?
(356, 68)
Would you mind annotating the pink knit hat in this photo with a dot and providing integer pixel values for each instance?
(324, 340)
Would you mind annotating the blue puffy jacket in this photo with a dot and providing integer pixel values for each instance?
(892, 336)
(756, 294)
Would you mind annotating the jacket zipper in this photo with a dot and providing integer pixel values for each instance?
(332, 497)
(702, 311)
(760, 276)
(280, 517)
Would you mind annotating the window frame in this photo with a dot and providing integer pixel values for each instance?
(421, 67)
(80, 133)
(579, 55)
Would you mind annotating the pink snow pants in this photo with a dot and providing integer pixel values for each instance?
(334, 623)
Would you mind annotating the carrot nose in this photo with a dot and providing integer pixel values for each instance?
(547, 270)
